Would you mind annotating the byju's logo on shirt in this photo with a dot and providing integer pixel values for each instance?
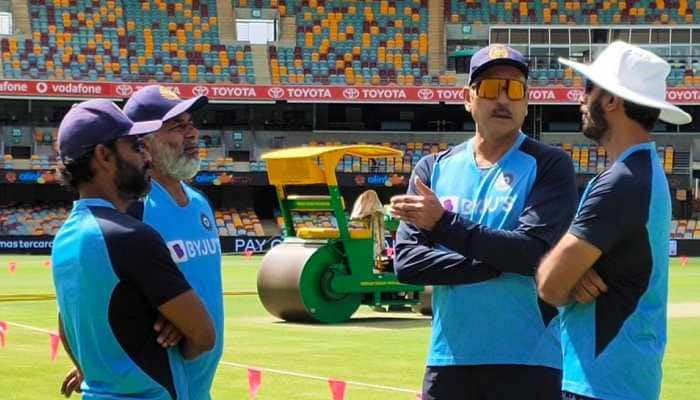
(471, 207)
(177, 251)
(184, 250)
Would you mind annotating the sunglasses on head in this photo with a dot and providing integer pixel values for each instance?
(491, 88)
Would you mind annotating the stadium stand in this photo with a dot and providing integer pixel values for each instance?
(683, 74)
(318, 219)
(238, 222)
(26, 219)
(42, 219)
(128, 40)
(372, 42)
(685, 229)
(413, 152)
(592, 159)
(584, 12)
(335, 42)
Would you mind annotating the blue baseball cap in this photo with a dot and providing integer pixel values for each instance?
(159, 102)
(94, 122)
(496, 54)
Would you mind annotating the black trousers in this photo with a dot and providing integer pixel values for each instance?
(492, 382)
(573, 396)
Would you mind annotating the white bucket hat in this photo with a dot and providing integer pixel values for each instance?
(633, 74)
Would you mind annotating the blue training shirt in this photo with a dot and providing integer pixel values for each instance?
(481, 256)
(191, 236)
(111, 272)
(614, 346)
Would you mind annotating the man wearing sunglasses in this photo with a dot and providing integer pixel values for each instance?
(113, 274)
(475, 223)
(182, 214)
(610, 270)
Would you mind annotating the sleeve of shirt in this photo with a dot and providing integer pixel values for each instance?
(548, 211)
(613, 207)
(418, 262)
(152, 269)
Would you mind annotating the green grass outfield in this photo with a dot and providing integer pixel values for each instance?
(374, 348)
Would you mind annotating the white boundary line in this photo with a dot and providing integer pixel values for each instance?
(270, 370)
(320, 378)
(31, 328)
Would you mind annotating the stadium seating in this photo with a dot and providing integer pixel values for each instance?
(366, 42)
(413, 152)
(128, 40)
(685, 229)
(24, 219)
(238, 222)
(592, 159)
(579, 12)
(336, 43)
(319, 219)
(683, 74)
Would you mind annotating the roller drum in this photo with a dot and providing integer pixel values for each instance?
(293, 283)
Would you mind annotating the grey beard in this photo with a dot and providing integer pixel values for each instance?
(178, 166)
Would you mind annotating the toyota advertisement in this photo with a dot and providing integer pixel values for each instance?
(298, 94)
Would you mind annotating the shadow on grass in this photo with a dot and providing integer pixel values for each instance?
(370, 322)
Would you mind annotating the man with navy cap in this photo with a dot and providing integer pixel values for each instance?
(113, 274)
(475, 222)
(180, 213)
(611, 269)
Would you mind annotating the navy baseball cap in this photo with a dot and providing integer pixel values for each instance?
(158, 102)
(94, 122)
(496, 54)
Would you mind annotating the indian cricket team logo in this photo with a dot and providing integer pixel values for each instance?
(178, 252)
(206, 223)
(498, 51)
(504, 181)
(168, 94)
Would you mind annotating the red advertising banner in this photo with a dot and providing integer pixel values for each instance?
(299, 94)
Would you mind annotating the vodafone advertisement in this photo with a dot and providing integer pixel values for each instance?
(298, 94)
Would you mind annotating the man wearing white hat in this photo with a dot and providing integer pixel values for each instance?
(611, 269)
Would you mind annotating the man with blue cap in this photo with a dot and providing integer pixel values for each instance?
(610, 270)
(113, 274)
(475, 222)
(180, 213)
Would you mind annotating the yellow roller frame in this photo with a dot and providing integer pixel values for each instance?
(298, 165)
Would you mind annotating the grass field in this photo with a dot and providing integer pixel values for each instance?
(375, 348)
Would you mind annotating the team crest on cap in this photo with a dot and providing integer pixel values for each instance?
(168, 94)
(498, 51)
